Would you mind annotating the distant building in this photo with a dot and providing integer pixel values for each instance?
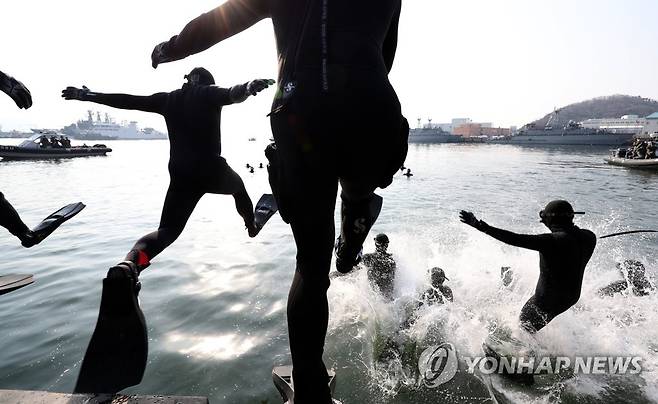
(652, 124)
(465, 127)
(625, 124)
(480, 129)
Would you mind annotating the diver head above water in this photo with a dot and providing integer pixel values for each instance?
(199, 77)
(438, 277)
(636, 273)
(558, 214)
(381, 243)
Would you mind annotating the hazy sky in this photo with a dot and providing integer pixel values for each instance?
(505, 61)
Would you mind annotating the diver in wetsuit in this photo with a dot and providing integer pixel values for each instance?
(439, 292)
(9, 218)
(192, 114)
(336, 118)
(638, 281)
(563, 256)
(381, 267)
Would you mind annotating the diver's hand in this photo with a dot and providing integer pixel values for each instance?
(258, 85)
(19, 93)
(74, 93)
(160, 54)
(470, 219)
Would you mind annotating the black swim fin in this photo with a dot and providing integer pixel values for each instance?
(118, 350)
(264, 210)
(9, 283)
(51, 223)
(357, 220)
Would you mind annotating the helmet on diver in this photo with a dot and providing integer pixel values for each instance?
(438, 276)
(559, 212)
(200, 77)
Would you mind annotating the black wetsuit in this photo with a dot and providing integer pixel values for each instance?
(336, 117)
(5, 85)
(10, 220)
(196, 167)
(381, 272)
(563, 256)
(437, 296)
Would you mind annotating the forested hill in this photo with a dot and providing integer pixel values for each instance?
(614, 106)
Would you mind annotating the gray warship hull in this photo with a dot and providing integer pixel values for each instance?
(432, 136)
(566, 137)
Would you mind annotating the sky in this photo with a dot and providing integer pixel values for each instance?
(503, 61)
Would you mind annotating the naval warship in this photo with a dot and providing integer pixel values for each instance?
(573, 133)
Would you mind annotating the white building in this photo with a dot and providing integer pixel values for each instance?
(454, 124)
(625, 124)
(652, 124)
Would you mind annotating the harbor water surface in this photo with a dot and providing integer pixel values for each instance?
(215, 301)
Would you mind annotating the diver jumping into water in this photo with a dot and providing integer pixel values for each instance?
(9, 217)
(563, 256)
(192, 114)
(336, 118)
(117, 352)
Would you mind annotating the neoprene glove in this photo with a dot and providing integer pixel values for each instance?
(470, 219)
(160, 53)
(74, 93)
(18, 92)
(258, 85)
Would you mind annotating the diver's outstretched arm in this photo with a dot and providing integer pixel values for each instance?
(209, 28)
(535, 242)
(16, 90)
(236, 94)
(151, 103)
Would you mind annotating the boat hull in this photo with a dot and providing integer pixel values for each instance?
(19, 153)
(632, 163)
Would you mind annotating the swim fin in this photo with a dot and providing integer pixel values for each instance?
(51, 223)
(9, 283)
(118, 350)
(265, 209)
(356, 222)
(282, 378)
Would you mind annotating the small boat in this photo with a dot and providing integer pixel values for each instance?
(616, 160)
(32, 148)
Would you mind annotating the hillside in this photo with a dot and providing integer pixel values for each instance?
(613, 106)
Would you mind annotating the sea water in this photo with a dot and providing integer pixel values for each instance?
(215, 301)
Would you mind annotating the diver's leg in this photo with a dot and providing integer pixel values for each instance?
(308, 309)
(359, 210)
(178, 207)
(532, 317)
(10, 220)
(226, 181)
